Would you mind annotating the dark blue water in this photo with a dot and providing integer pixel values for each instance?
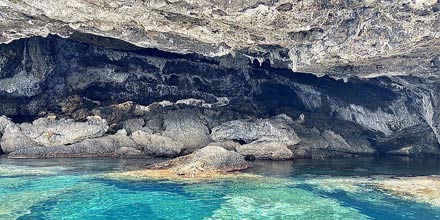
(303, 189)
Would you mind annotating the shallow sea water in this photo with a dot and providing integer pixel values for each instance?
(302, 189)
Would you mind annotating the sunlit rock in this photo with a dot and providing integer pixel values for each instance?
(208, 162)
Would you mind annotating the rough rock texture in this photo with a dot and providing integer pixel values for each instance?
(156, 145)
(343, 38)
(188, 101)
(107, 146)
(210, 159)
(259, 130)
(49, 132)
(186, 128)
(4, 123)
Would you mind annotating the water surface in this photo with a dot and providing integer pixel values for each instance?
(302, 189)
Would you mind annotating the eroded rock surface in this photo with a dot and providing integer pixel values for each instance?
(259, 130)
(206, 161)
(181, 103)
(342, 38)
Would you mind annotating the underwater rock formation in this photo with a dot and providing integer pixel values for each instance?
(161, 104)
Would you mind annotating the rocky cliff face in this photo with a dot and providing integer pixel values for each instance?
(154, 103)
(341, 38)
(168, 77)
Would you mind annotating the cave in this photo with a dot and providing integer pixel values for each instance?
(89, 75)
(203, 110)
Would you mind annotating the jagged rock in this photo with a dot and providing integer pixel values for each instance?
(157, 145)
(205, 161)
(266, 151)
(259, 130)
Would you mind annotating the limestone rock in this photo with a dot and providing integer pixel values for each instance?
(129, 152)
(13, 139)
(60, 132)
(47, 132)
(364, 38)
(417, 141)
(4, 123)
(133, 125)
(275, 129)
(107, 146)
(157, 145)
(337, 143)
(186, 128)
(210, 159)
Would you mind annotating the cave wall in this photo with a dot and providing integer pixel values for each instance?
(71, 78)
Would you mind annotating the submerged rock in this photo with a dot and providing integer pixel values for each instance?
(420, 188)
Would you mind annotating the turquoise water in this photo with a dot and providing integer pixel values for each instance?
(77, 189)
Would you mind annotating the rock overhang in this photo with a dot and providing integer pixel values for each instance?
(339, 38)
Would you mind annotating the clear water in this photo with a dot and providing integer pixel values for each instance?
(76, 189)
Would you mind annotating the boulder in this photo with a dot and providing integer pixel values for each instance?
(48, 132)
(266, 151)
(157, 145)
(416, 141)
(132, 125)
(206, 161)
(14, 139)
(4, 123)
(338, 143)
(107, 146)
(184, 126)
(276, 129)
